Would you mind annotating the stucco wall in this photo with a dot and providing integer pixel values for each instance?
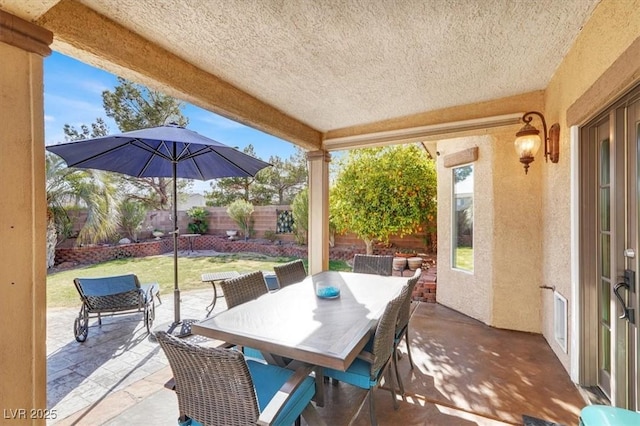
(516, 237)
(523, 223)
(502, 290)
(467, 292)
(614, 26)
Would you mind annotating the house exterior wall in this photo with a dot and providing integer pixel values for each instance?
(502, 290)
(467, 292)
(523, 223)
(613, 28)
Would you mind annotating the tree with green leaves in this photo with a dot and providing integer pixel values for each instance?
(272, 185)
(286, 178)
(99, 128)
(380, 192)
(92, 190)
(225, 191)
(132, 107)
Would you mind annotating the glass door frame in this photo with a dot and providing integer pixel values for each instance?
(624, 162)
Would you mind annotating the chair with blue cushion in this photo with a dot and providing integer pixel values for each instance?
(402, 326)
(368, 368)
(373, 264)
(218, 386)
(290, 273)
(241, 289)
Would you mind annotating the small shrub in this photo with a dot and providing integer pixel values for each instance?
(199, 224)
(271, 235)
(300, 212)
(241, 212)
(131, 216)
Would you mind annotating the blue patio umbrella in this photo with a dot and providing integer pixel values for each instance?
(163, 151)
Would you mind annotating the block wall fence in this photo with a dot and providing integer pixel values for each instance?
(264, 220)
(346, 246)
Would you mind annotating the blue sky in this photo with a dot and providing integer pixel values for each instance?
(73, 95)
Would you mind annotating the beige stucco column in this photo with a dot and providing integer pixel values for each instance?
(22, 221)
(318, 162)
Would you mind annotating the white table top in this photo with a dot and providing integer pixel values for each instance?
(294, 323)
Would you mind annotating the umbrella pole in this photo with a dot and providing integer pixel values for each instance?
(176, 289)
(179, 327)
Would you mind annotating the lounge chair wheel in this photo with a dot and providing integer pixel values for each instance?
(81, 325)
(149, 315)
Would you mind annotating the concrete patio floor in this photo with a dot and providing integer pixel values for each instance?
(466, 373)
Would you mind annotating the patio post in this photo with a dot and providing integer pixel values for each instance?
(318, 244)
(23, 215)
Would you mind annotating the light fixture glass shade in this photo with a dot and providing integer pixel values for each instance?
(527, 141)
(527, 145)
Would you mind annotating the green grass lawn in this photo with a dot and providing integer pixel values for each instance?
(62, 293)
(464, 258)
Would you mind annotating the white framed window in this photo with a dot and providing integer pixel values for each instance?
(462, 220)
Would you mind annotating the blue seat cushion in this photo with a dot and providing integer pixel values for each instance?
(106, 286)
(358, 374)
(252, 353)
(268, 379)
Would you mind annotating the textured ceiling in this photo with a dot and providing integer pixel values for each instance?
(336, 64)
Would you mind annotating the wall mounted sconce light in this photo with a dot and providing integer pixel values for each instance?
(528, 141)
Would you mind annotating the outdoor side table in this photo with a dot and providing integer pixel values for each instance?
(190, 238)
(212, 277)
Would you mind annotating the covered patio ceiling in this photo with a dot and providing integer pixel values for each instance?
(333, 74)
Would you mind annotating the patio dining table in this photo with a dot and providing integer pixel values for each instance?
(293, 323)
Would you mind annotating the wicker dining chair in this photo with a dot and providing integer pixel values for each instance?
(218, 386)
(402, 326)
(290, 273)
(373, 264)
(241, 289)
(367, 370)
(244, 288)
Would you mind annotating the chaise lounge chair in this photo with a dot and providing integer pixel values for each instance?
(114, 295)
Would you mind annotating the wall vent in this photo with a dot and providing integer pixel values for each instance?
(560, 320)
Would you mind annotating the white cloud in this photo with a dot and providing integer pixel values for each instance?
(94, 86)
(218, 121)
(72, 105)
(49, 118)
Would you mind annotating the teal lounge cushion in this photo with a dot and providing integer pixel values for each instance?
(268, 379)
(603, 415)
(106, 286)
(357, 374)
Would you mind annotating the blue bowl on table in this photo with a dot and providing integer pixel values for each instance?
(326, 290)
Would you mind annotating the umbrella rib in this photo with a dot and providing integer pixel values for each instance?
(93, 157)
(191, 156)
(208, 148)
(153, 151)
